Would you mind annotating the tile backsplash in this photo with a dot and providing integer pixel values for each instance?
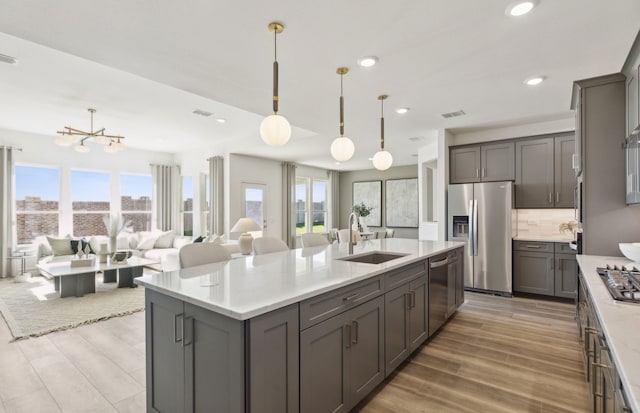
(542, 222)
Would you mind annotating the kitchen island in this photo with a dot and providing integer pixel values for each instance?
(610, 338)
(300, 330)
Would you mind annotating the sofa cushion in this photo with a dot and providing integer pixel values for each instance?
(147, 240)
(165, 240)
(180, 241)
(60, 246)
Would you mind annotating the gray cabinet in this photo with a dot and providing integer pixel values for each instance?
(196, 359)
(342, 358)
(544, 172)
(544, 268)
(455, 288)
(482, 163)
(405, 321)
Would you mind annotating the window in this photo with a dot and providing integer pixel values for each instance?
(311, 205)
(135, 200)
(90, 202)
(37, 202)
(187, 205)
(254, 198)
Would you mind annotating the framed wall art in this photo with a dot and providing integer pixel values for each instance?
(401, 203)
(369, 193)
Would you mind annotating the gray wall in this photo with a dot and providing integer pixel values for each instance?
(346, 183)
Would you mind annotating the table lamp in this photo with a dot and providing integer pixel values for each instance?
(245, 241)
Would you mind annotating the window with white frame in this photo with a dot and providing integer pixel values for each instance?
(135, 200)
(90, 201)
(311, 205)
(37, 199)
(187, 205)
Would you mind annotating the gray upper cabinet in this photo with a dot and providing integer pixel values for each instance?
(482, 163)
(564, 174)
(534, 173)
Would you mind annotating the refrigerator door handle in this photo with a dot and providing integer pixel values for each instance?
(474, 228)
(471, 245)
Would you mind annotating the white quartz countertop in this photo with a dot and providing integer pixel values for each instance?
(543, 238)
(247, 287)
(618, 321)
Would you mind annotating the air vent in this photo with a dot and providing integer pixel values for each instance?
(202, 113)
(8, 59)
(416, 138)
(453, 114)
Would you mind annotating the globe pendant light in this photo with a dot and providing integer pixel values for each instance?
(382, 160)
(275, 129)
(342, 148)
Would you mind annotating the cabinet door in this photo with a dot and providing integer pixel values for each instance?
(323, 386)
(533, 272)
(565, 178)
(534, 173)
(164, 352)
(451, 285)
(497, 162)
(274, 358)
(460, 277)
(566, 276)
(365, 356)
(465, 165)
(396, 322)
(418, 317)
(214, 361)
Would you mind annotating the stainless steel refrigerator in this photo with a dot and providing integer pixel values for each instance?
(480, 215)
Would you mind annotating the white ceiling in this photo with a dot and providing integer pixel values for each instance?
(146, 65)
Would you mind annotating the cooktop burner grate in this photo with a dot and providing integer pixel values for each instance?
(623, 282)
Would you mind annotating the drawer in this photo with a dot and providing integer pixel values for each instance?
(395, 279)
(564, 248)
(322, 307)
(533, 246)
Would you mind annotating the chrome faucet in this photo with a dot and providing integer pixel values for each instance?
(351, 215)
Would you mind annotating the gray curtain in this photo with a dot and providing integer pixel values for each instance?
(288, 203)
(334, 206)
(6, 209)
(216, 195)
(167, 196)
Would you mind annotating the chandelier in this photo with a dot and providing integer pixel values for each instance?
(69, 136)
(382, 159)
(342, 148)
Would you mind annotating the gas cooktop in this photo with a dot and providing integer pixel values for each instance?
(623, 282)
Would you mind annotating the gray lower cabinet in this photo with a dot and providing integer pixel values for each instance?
(196, 359)
(545, 268)
(342, 358)
(406, 321)
(459, 269)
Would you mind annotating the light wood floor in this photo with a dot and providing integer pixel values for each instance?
(496, 355)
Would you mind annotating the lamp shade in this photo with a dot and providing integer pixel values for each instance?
(246, 225)
(342, 149)
(275, 130)
(64, 141)
(382, 160)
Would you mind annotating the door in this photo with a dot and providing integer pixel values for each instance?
(492, 264)
(254, 197)
(458, 221)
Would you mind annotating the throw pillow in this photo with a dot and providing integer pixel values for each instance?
(147, 241)
(60, 246)
(199, 239)
(165, 240)
(44, 248)
(84, 243)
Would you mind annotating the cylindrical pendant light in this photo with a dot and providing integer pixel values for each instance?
(275, 129)
(382, 159)
(342, 148)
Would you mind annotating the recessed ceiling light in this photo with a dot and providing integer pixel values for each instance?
(520, 8)
(367, 61)
(202, 113)
(8, 59)
(532, 81)
(221, 120)
(402, 111)
(337, 163)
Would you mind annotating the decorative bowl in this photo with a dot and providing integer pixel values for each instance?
(630, 250)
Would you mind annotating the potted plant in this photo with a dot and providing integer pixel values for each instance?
(361, 211)
(114, 224)
(569, 226)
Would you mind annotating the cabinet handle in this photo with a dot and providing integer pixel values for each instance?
(413, 299)
(537, 247)
(350, 297)
(557, 197)
(483, 171)
(177, 317)
(354, 328)
(439, 263)
(407, 301)
(347, 335)
(187, 335)
(477, 173)
(550, 198)
(550, 263)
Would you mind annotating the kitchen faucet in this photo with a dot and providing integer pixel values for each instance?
(351, 215)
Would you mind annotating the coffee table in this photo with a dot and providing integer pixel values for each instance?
(78, 281)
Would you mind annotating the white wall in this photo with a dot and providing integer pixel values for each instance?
(247, 169)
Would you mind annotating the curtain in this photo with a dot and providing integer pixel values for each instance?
(334, 205)
(167, 197)
(288, 203)
(6, 209)
(216, 195)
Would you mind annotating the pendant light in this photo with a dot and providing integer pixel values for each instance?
(342, 148)
(382, 160)
(275, 129)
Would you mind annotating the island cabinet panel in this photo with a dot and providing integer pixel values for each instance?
(342, 359)
(274, 354)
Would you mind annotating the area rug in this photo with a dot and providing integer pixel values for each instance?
(32, 308)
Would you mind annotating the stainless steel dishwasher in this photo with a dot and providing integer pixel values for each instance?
(438, 294)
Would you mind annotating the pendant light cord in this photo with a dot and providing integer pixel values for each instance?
(341, 108)
(382, 124)
(275, 72)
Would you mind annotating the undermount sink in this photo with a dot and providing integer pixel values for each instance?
(374, 257)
